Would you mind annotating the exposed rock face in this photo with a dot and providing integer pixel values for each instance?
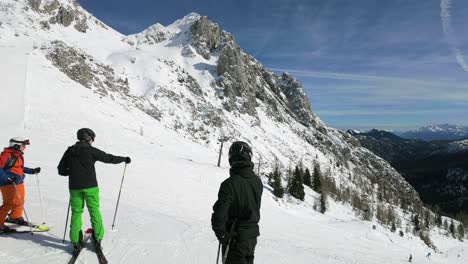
(188, 52)
(81, 25)
(64, 17)
(60, 14)
(50, 7)
(45, 25)
(297, 100)
(83, 69)
(152, 35)
(206, 36)
(244, 80)
(237, 78)
(34, 4)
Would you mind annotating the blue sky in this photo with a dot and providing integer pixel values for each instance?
(395, 64)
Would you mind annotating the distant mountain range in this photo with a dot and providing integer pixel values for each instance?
(437, 169)
(395, 149)
(437, 132)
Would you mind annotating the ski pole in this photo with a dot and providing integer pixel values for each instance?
(22, 205)
(40, 198)
(66, 222)
(227, 250)
(219, 248)
(118, 199)
(231, 233)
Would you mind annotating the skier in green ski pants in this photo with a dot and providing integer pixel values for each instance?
(78, 198)
(78, 163)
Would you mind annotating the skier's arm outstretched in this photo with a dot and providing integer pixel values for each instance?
(108, 158)
(221, 209)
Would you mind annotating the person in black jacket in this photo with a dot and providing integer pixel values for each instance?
(236, 213)
(78, 164)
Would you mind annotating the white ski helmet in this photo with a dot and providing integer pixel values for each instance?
(18, 141)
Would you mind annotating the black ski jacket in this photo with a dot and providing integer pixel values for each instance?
(239, 198)
(78, 163)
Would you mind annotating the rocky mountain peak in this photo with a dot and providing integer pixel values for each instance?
(206, 36)
(61, 12)
(183, 24)
(152, 35)
(244, 80)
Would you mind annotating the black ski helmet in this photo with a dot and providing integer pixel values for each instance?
(85, 134)
(240, 151)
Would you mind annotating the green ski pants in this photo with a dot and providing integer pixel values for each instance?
(77, 202)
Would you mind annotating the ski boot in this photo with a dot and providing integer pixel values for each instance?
(18, 221)
(5, 229)
(78, 246)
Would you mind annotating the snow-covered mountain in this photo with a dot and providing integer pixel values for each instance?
(437, 132)
(458, 146)
(165, 97)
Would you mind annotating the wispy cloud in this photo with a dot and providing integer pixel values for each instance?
(373, 78)
(445, 6)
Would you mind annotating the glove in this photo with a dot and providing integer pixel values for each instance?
(36, 170)
(127, 160)
(224, 238)
(12, 179)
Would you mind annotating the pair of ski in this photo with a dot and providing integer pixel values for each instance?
(35, 228)
(89, 236)
(14, 231)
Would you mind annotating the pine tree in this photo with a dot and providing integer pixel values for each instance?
(270, 179)
(317, 175)
(381, 214)
(289, 178)
(416, 223)
(307, 178)
(368, 213)
(297, 189)
(404, 204)
(439, 220)
(391, 215)
(278, 189)
(428, 219)
(323, 202)
(393, 227)
(452, 228)
(461, 231)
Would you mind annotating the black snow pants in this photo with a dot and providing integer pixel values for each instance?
(241, 252)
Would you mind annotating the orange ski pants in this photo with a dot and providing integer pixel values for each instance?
(11, 202)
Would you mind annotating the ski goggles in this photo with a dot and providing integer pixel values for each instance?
(22, 142)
